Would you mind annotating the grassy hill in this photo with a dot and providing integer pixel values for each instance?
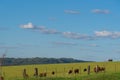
(61, 71)
(38, 60)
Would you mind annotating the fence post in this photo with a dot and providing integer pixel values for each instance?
(56, 71)
(25, 75)
(115, 68)
(64, 72)
(88, 70)
(36, 72)
(80, 69)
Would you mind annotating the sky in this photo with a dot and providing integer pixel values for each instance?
(79, 29)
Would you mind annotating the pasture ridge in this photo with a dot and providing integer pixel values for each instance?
(61, 70)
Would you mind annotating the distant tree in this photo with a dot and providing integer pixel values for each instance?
(37, 60)
(110, 60)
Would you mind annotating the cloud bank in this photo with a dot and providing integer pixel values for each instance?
(100, 11)
(72, 35)
(42, 29)
(75, 35)
(107, 34)
(71, 12)
(28, 26)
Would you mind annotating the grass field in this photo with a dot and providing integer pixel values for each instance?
(61, 70)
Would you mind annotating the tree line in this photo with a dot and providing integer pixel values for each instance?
(37, 60)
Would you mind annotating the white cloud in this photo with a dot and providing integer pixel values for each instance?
(73, 35)
(72, 12)
(76, 35)
(107, 34)
(28, 26)
(42, 29)
(99, 11)
(49, 31)
(116, 35)
(103, 33)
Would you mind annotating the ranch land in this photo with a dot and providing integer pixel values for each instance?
(61, 71)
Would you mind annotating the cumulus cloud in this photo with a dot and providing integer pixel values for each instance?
(49, 31)
(71, 11)
(107, 34)
(100, 11)
(76, 35)
(64, 43)
(103, 33)
(28, 26)
(42, 29)
(73, 35)
(97, 35)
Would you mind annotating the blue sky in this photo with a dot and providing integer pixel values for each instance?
(80, 29)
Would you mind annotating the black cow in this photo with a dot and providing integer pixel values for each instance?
(43, 74)
(76, 71)
(70, 72)
(53, 73)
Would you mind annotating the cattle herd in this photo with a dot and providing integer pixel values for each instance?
(76, 71)
(96, 69)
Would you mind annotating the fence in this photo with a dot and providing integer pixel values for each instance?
(60, 70)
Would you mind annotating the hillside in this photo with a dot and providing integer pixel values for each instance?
(38, 60)
(112, 71)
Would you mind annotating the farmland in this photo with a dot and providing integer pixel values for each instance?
(61, 70)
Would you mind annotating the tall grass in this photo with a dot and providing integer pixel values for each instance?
(110, 76)
(61, 71)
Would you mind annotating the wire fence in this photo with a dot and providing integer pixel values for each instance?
(60, 70)
(67, 71)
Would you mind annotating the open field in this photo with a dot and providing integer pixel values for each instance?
(61, 70)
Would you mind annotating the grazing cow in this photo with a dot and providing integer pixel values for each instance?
(99, 69)
(43, 74)
(70, 72)
(96, 69)
(102, 69)
(85, 70)
(53, 73)
(76, 71)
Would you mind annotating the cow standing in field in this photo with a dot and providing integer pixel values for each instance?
(76, 71)
(70, 72)
(99, 69)
(96, 69)
(85, 70)
(43, 74)
(53, 73)
(102, 69)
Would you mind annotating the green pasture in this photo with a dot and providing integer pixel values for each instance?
(61, 70)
